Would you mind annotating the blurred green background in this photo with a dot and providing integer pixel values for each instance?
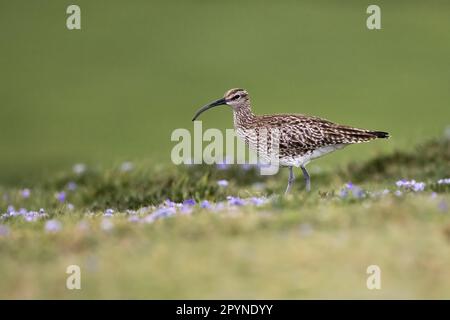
(116, 89)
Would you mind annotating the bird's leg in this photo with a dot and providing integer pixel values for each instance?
(290, 180)
(307, 179)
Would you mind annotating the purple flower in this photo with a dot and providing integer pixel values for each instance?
(400, 183)
(222, 183)
(61, 196)
(164, 213)
(411, 185)
(169, 203)
(189, 202)
(31, 216)
(444, 181)
(15, 213)
(357, 192)
(26, 193)
(235, 201)
(350, 188)
(205, 204)
(108, 213)
(10, 209)
(160, 213)
(53, 226)
(71, 186)
(343, 193)
(258, 201)
(419, 186)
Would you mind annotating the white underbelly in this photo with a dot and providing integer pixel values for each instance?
(296, 161)
(303, 160)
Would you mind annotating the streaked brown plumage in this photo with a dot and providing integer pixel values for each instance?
(301, 138)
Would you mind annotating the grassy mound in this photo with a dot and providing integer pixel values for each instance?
(428, 162)
(146, 184)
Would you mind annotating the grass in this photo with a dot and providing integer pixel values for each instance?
(314, 245)
(115, 91)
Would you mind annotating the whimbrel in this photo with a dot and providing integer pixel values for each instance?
(301, 138)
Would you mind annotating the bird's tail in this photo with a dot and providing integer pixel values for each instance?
(380, 134)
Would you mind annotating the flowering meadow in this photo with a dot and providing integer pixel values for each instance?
(140, 231)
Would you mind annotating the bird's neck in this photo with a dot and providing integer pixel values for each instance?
(243, 115)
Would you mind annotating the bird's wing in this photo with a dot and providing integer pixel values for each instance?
(307, 133)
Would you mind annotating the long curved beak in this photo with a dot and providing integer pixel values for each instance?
(213, 104)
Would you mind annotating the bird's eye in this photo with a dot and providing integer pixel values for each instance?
(236, 97)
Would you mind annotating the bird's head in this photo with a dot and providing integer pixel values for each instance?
(234, 98)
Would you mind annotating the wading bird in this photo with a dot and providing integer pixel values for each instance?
(300, 138)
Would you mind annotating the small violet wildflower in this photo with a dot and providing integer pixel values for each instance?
(258, 201)
(109, 213)
(222, 183)
(169, 203)
(61, 196)
(411, 185)
(352, 189)
(53, 226)
(26, 193)
(189, 202)
(205, 204)
(235, 201)
(444, 181)
(160, 213)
